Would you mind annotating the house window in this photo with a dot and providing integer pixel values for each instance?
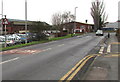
(82, 26)
(77, 31)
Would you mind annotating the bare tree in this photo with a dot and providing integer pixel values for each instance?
(98, 13)
(68, 17)
(59, 19)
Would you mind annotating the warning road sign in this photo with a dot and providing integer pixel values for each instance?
(5, 21)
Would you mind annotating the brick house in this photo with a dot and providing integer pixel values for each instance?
(78, 27)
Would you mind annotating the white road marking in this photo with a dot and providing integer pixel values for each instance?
(109, 48)
(61, 45)
(101, 50)
(10, 60)
(50, 42)
(78, 36)
(47, 49)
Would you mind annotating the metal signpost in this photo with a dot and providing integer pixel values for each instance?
(5, 23)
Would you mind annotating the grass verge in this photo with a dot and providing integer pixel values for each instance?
(22, 45)
(36, 42)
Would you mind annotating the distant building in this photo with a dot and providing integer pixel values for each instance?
(112, 25)
(16, 26)
(79, 27)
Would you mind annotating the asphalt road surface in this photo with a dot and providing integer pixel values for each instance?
(47, 61)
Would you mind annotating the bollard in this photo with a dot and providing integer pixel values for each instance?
(108, 35)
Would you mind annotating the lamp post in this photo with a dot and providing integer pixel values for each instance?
(26, 20)
(75, 19)
(1, 17)
(75, 12)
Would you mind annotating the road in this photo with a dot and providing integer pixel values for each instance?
(47, 61)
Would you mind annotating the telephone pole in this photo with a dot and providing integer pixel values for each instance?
(26, 20)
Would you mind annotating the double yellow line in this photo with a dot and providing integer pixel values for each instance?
(71, 74)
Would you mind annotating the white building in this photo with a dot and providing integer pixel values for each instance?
(112, 25)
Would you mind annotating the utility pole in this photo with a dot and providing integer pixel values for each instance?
(74, 19)
(1, 28)
(26, 20)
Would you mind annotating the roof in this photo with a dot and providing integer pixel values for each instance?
(11, 20)
(80, 23)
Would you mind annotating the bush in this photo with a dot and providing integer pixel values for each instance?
(39, 36)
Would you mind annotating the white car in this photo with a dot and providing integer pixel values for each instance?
(9, 41)
(99, 33)
(2, 40)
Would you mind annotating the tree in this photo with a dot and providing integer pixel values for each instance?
(68, 17)
(59, 19)
(98, 13)
(38, 28)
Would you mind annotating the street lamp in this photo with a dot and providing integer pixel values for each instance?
(1, 17)
(74, 19)
(75, 12)
(26, 20)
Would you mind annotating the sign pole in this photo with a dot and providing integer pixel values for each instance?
(5, 34)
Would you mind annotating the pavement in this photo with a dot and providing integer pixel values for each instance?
(106, 65)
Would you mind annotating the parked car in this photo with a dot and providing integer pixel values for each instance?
(2, 41)
(16, 38)
(24, 37)
(99, 33)
(10, 40)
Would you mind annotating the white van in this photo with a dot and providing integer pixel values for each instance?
(99, 33)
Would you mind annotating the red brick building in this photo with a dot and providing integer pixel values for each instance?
(16, 27)
(79, 27)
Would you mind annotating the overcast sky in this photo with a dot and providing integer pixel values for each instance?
(42, 10)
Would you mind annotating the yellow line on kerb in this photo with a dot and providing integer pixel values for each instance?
(78, 69)
(66, 75)
(112, 55)
(115, 43)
